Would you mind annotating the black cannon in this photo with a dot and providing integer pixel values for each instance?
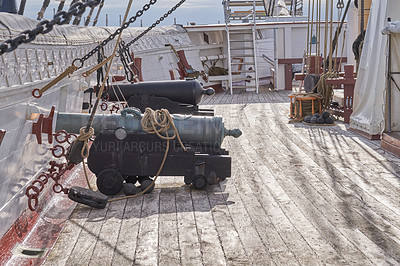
(178, 96)
(123, 153)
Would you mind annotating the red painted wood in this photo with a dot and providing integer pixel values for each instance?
(288, 77)
(37, 129)
(116, 78)
(171, 74)
(47, 125)
(2, 134)
(348, 82)
(391, 143)
(138, 64)
(29, 230)
(182, 59)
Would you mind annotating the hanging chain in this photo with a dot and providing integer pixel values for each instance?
(112, 36)
(45, 26)
(158, 21)
(127, 61)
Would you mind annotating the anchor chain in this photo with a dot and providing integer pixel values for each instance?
(113, 35)
(45, 26)
(158, 21)
(54, 172)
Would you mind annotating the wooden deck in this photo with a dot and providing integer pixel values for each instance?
(298, 195)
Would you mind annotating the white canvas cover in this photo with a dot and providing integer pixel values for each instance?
(370, 91)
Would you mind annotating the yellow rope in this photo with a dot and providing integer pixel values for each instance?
(90, 71)
(83, 135)
(86, 175)
(326, 33)
(159, 122)
(325, 90)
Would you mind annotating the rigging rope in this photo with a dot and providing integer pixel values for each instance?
(326, 34)
(98, 13)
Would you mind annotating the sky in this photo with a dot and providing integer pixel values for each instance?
(198, 11)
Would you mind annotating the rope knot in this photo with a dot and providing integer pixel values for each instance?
(159, 122)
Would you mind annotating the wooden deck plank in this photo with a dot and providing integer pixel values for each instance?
(212, 251)
(232, 245)
(369, 248)
(297, 195)
(70, 234)
(363, 196)
(296, 244)
(282, 181)
(127, 242)
(84, 246)
(109, 234)
(147, 243)
(187, 229)
(168, 247)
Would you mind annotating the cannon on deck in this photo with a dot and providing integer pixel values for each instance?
(123, 153)
(177, 96)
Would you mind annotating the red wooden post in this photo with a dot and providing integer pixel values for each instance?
(2, 134)
(348, 82)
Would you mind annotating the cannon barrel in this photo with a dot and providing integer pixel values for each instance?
(182, 91)
(199, 130)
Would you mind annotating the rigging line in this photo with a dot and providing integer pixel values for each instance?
(98, 13)
(341, 55)
(308, 36)
(316, 37)
(21, 9)
(337, 35)
(312, 29)
(330, 38)
(90, 122)
(89, 16)
(341, 23)
(319, 37)
(326, 33)
(61, 5)
(43, 9)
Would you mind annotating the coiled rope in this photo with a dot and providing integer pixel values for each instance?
(159, 122)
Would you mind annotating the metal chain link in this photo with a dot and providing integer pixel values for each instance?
(45, 26)
(112, 36)
(169, 12)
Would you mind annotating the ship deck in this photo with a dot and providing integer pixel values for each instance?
(298, 194)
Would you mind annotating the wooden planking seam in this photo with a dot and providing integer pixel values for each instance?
(187, 231)
(129, 232)
(230, 241)
(168, 244)
(274, 199)
(212, 250)
(278, 254)
(147, 244)
(389, 240)
(84, 247)
(340, 174)
(70, 234)
(312, 190)
(283, 183)
(109, 234)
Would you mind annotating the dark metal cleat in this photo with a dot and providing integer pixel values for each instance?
(88, 197)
